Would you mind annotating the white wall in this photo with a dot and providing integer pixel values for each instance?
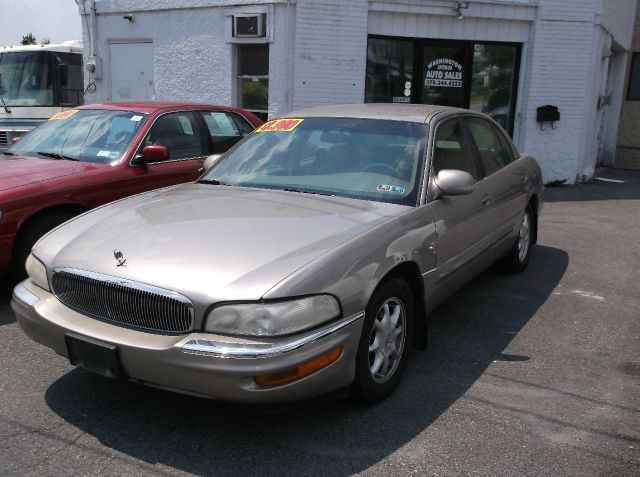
(193, 53)
(330, 52)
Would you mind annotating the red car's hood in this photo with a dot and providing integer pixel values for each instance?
(17, 171)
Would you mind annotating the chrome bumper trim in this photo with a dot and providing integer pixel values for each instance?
(264, 350)
(24, 296)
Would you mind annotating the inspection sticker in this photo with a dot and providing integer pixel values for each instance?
(284, 125)
(391, 189)
(135, 118)
(64, 114)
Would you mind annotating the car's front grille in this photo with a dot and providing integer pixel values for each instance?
(123, 302)
(4, 138)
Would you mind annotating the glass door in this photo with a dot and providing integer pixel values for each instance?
(494, 85)
(445, 73)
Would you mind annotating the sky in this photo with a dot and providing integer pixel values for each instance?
(57, 20)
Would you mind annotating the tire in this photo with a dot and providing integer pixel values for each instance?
(26, 239)
(384, 347)
(518, 257)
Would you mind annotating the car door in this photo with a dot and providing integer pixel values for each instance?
(182, 133)
(505, 178)
(464, 228)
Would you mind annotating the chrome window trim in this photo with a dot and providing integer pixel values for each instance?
(218, 349)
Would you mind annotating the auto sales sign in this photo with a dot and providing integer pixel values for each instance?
(444, 72)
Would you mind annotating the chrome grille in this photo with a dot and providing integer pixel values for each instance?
(123, 302)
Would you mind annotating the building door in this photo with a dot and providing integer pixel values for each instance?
(131, 71)
(445, 71)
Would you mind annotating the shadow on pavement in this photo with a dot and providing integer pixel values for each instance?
(206, 437)
(5, 296)
(599, 190)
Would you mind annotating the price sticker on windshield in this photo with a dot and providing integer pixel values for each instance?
(280, 125)
(64, 114)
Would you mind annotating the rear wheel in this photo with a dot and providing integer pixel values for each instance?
(518, 257)
(26, 239)
(385, 342)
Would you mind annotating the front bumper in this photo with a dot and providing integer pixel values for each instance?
(203, 364)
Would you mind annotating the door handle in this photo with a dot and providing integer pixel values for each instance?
(486, 200)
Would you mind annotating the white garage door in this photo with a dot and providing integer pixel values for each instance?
(131, 71)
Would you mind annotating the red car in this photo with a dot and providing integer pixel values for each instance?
(85, 157)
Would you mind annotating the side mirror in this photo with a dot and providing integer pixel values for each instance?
(454, 182)
(210, 161)
(155, 153)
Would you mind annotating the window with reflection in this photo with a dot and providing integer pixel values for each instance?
(492, 91)
(389, 71)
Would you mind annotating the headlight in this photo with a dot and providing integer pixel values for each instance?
(272, 319)
(37, 272)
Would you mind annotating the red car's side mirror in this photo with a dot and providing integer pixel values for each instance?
(155, 153)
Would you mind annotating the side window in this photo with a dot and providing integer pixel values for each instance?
(451, 149)
(244, 125)
(493, 154)
(223, 129)
(178, 132)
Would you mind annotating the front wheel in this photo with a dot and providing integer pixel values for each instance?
(518, 257)
(385, 341)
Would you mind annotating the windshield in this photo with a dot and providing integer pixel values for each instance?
(361, 158)
(88, 135)
(25, 79)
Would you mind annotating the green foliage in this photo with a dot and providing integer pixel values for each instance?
(28, 39)
(45, 41)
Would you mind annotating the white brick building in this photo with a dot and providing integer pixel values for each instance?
(504, 57)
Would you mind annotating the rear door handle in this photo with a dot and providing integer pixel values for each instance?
(486, 200)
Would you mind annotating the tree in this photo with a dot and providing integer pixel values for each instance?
(28, 39)
(45, 41)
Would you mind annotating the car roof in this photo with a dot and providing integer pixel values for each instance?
(418, 113)
(153, 106)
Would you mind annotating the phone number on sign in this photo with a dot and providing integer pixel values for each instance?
(443, 83)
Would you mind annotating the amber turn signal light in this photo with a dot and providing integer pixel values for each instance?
(299, 372)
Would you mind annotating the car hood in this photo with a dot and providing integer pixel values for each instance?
(211, 243)
(19, 171)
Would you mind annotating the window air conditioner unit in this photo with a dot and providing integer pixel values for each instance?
(248, 26)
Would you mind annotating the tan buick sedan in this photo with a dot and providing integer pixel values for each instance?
(304, 261)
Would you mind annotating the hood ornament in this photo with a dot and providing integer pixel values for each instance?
(119, 256)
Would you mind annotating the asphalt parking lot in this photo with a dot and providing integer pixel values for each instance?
(535, 374)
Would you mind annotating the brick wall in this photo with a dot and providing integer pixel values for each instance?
(560, 71)
(330, 52)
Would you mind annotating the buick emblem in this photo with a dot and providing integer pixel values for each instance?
(119, 256)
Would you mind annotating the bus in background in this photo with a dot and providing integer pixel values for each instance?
(37, 81)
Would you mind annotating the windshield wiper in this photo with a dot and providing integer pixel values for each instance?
(306, 191)
(55, 155)
(6, 108)
(212, 182)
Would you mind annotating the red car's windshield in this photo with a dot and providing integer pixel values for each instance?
(88, 135)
